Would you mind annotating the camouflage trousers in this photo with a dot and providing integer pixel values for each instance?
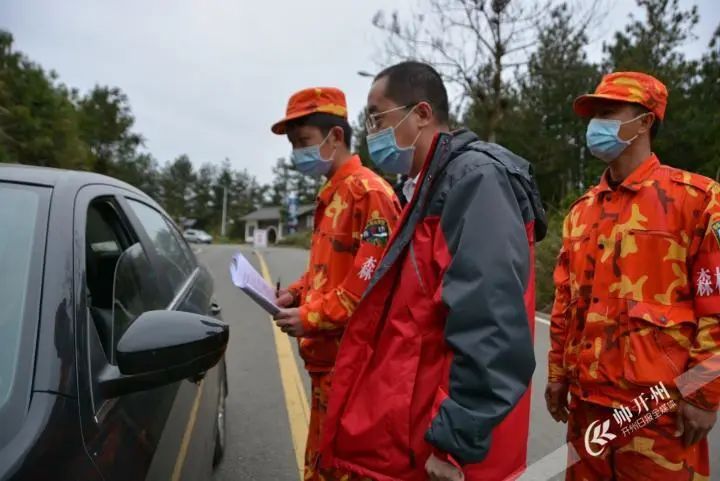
(320, 386)
(651, 452)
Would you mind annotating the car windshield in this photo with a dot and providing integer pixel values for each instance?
(20, 210)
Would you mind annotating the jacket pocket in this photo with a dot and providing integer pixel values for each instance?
(414, 264)
(653, 267)
(420, 292)
(658, 342)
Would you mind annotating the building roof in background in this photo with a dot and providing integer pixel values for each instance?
(273, 212)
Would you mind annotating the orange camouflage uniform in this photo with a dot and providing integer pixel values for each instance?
(356, 212)
(652, 452)
(637, 300)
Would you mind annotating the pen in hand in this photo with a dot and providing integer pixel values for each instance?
(277, 289)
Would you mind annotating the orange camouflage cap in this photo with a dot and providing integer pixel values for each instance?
(634, 87)
(327, 100)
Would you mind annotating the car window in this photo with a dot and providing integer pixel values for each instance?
(132, 293)
(106, 238)
(184, 246)
(171, 248)
(17, 237)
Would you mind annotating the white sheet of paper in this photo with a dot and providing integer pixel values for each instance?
(249, 280)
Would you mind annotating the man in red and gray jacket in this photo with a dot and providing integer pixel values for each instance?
(431, 382)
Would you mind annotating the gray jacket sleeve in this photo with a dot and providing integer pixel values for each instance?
(487, 325)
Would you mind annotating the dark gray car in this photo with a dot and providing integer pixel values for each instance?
(111, 348)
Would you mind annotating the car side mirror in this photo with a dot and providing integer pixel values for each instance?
(163, 347)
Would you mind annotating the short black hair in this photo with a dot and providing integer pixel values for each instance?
(409, 83)
(324, 122)
(655, 127)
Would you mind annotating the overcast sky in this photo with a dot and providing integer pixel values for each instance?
(208, 77)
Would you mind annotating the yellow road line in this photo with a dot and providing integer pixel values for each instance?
(180, 461)
(295, 399)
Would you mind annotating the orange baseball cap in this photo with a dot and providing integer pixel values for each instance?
(634, 87)
(327, 100)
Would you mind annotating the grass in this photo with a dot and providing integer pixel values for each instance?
(228, 240)
(301, 239)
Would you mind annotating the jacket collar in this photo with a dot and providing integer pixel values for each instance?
(437, 159)
(635, 180)
(327, 191)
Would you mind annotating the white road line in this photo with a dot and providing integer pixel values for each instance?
(543, 319)
(552, 464)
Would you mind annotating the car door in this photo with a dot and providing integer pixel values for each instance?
(193, 293)
(144, 435)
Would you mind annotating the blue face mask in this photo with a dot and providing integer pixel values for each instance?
(309, 161)
(387, 155)
(603, 141)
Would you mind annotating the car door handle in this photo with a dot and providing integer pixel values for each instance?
(215, 309)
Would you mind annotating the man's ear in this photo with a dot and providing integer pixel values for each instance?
(338, 135)
(424, 112)
(646, 123)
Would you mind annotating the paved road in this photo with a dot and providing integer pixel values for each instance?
(260, 445)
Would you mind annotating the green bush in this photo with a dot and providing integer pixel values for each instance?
(218, 239)
(301, 239)
(545, 257)
(546, 254)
